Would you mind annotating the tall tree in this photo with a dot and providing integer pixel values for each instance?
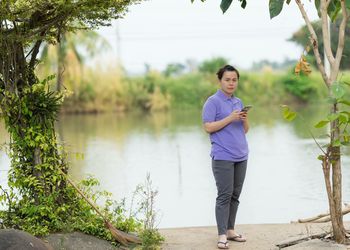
(331, 159)
(29, 109)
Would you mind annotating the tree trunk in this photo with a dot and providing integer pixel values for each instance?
(335, 204)
(332, 159)
(60, 67)
(33, 145)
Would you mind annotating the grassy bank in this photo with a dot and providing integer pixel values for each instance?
(97, 90)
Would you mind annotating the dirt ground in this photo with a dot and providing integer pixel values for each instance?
(259, 237)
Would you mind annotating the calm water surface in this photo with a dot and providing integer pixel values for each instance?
(284, 180)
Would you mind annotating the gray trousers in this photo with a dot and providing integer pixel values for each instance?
(229, 178)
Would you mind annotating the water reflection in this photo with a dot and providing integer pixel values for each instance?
(284, 180)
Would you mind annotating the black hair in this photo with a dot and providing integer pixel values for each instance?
(221, 71)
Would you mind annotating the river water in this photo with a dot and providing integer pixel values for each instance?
(284, 181)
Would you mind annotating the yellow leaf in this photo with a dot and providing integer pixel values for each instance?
(305, 67)
(302, 66)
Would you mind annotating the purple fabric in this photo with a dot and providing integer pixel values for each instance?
(229, 143)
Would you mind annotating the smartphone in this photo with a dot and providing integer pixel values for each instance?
(246, 108)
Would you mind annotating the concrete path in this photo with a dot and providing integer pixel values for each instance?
(259, 237)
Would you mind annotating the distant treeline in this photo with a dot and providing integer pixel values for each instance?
(156, 92)
(97, 90)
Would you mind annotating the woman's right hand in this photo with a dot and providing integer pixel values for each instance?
(235, 115)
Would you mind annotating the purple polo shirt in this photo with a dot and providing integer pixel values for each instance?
(229, 143)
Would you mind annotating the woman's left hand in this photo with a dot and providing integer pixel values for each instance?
(243, 116)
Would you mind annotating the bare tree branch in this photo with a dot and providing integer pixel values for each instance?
(325, 32)
(325, 217)
(314, 42)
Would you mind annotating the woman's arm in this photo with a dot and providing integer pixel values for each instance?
(211, 127)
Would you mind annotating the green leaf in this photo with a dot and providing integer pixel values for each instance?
(243, 3)
(344, 102)
(291, 116)
(288, 1)
(338, 90)
(317, 6)
(321, 124)
(343, 118)
(288, 114)
(336, 143)
(332, 117)
(347, 113)
(321, 157)
(225, 4)
(345, 136)
(275, 7)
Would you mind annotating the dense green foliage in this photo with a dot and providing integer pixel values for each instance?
(74, 214)
(42, 198)
(305, 88)
(34, 141)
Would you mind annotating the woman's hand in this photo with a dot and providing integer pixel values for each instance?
(235, 116)
(243, 116)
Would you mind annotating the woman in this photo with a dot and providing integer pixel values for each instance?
(227, 125)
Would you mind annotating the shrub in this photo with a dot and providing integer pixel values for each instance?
(305, 88)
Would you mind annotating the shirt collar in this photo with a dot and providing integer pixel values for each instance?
(223, 96)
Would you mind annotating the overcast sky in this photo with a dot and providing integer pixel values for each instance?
(159, 32)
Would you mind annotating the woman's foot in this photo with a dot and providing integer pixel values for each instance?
(222, 242)
(231, 235)
(223, 245)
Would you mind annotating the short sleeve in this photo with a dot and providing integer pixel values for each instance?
(209, 111)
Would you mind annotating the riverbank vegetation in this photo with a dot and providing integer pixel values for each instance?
(93, 90)
(136, 216)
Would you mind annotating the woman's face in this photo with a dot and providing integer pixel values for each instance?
(229, 82)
